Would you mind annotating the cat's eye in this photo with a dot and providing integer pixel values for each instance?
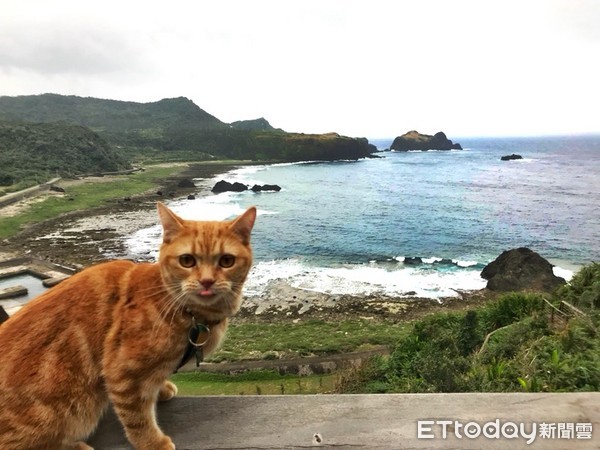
(227, 261)
(187, 260)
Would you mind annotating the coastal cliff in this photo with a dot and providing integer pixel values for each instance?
(413, 140)
(176, 129)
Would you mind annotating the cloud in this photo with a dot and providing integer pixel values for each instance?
(70, 49)
(579, 17)
(365, 68)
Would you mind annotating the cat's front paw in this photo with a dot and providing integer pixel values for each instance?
(167, 391)
(166, 444)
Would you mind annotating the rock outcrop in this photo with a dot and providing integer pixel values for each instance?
(520, 269)
(413, 140)
(225, 186)
(413, 260)
(511, 157)
(266, 187)
(186, 183)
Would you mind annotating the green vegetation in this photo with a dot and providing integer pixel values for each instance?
(107, 115)
(313, 337)
(261, 124)
(168, 130)
(251, 341)
(35, 153)
(84, 196)
(252, 383)
(517, 343)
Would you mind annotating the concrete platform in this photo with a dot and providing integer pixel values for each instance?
(374, 421)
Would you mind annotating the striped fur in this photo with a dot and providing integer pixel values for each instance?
(114, 333)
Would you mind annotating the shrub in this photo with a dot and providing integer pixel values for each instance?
(583, 290)
(523, 351)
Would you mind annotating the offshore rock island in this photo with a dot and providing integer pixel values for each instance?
(413, 140)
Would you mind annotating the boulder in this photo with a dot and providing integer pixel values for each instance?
(186, 183)
(510, 157)
(191, 197)
(412, 260)
(520, 269)
(413, 140)
(225, 186)
(54, 188)
(266, 187)
(444, 262)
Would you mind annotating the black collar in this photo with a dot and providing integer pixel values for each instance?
(194, 346)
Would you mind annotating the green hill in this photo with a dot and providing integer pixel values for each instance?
(260, 124)
(177, 129)
(32, 153)
(108, 115)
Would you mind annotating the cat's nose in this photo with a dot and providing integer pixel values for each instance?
(207, 283)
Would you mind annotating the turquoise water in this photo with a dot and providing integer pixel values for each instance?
(346, 227)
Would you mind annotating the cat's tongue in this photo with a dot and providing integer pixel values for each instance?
(206, 293)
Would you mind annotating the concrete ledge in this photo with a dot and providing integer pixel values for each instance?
(363, 421)
(313, 365)
(12, 292)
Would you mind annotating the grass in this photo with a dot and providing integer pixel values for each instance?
(306, 338)
(85, 196)
(511, 344)
(247, 341)
(252, 383)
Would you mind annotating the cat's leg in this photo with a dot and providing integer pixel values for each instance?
(167, 391)
(135, 406)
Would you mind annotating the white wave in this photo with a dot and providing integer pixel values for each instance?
(144, 243)
(525, 160)
(362, 280)
(564, 269)
(437, 259)
(431, 260)
(563, 273)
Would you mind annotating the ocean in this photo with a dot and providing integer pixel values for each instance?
(353, 227)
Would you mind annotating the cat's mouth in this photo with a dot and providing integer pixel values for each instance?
(206, 297)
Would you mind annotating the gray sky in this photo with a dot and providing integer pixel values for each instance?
(374, 68)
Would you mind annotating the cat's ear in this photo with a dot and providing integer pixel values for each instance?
(242, 226)
(171, 223)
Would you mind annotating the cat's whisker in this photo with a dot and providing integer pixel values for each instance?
(168, 303)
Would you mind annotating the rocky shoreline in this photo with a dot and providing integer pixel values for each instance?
(98, 232)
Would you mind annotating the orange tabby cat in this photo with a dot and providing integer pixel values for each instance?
(115, 332)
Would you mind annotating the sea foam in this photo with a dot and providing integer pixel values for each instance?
(363, 279)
